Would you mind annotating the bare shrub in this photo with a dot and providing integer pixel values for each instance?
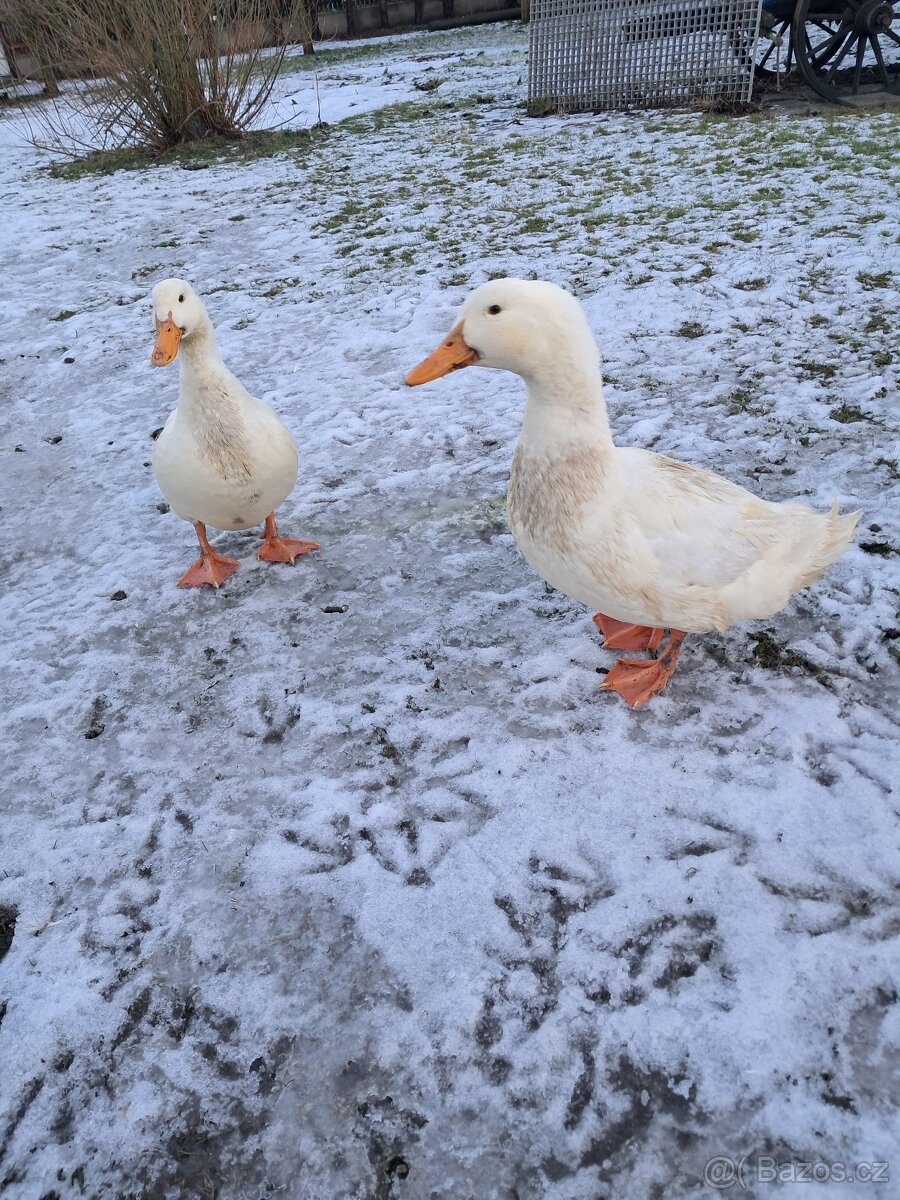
(156, 73)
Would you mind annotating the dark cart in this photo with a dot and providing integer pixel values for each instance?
(842, 48)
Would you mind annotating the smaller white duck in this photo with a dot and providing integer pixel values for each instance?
(654, 543)
(223, 458)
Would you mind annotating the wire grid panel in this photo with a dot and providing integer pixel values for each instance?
(606, 54)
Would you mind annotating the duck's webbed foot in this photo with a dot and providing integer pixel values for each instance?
(620, 635)
(636, 679)
(281, 549)
(210, 568)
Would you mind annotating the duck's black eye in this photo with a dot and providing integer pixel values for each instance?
(494, 309)
(181, 299)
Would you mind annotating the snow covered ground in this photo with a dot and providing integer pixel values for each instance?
(345, 881)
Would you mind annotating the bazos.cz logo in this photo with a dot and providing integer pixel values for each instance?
(722, 1172)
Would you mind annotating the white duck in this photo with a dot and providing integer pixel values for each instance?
(223, 458)
(654, 543)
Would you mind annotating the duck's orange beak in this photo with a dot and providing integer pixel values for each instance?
(451, 355)
(168, 337)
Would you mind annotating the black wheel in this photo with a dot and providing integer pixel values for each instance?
(847, 48)
(774, 58)
(769, 53)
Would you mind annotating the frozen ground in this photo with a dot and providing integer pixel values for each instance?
(390, 901)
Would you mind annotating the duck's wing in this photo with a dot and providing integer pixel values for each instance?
(703, 530)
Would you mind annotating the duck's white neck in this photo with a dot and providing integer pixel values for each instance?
(207, 386)
(211, 405)
(199, 353)
(565, 410)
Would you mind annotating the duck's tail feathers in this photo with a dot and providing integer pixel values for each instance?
(791, 563)
(835, 538)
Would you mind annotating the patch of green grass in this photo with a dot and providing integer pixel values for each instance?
(690, 329)
(535, 224)
(401, 113)
(774, 655)
(817, 370)
(386, 747)
(141, 273)
(871, 218)
(742, 401)
(751, 285)
(818, 277)
(193, 156)
(847, 414)
(344, 218)
(798, 160)
(878, 322)
(872, 281)
(490, 195)
(328, 60)
(837, 231)
(765, 195)
(279, 286)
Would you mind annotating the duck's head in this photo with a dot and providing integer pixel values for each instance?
(526, 326)
(179, 313)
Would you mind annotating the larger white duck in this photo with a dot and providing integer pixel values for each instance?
(653, 543)
(223, 458)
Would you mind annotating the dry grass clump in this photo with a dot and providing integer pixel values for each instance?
(158, 73)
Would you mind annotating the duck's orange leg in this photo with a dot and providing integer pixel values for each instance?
(620, 635)
(210, 568)
(281, 549)
(636, 680)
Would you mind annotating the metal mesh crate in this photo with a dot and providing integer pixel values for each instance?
(606, 54)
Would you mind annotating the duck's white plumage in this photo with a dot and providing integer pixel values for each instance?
(224, 458)
(640, 537)
(667, 545)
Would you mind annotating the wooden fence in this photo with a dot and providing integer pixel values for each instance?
(354, 18)
(329, 20)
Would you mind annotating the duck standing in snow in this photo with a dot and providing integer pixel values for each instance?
(653, 543)
(223, 457)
